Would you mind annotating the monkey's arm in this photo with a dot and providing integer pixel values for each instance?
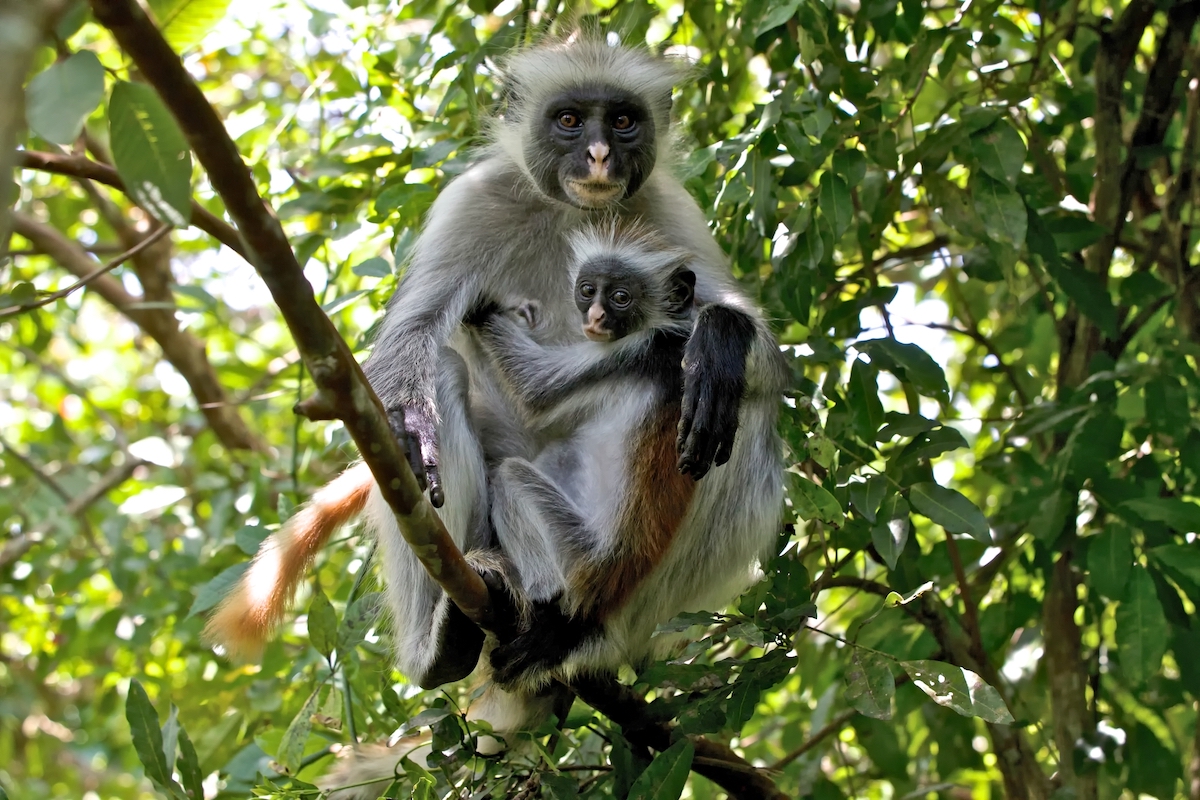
(441, 282)
(544, 378)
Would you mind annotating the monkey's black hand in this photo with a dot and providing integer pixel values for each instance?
(547, 638)
(714, 377)
(413, 425)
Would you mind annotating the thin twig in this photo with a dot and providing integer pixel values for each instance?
(832, 727)
(13, 311)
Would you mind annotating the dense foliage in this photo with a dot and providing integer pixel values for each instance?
(974, 225)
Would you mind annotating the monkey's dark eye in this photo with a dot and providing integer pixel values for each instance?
(587, 291)
(620, 298)
(623, 122)
(570, 120)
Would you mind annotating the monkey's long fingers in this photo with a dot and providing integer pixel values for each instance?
(397, 419)
(429, 455)
(698, 446)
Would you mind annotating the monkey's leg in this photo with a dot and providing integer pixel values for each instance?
(543, 534)
(435, 642)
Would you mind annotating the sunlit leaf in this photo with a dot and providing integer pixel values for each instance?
(667, 774)
(1141, 628)
(814, 502)
(59, 99)
(959, 689)
(147, 739)
(870, 684)
(951, 510)
(150, 153)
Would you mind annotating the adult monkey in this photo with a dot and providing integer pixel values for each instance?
(585, 127)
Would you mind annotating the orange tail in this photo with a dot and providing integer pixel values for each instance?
(249, 614)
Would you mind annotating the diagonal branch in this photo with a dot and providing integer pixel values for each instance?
(86, 279)
(183, 350)
(81, 167)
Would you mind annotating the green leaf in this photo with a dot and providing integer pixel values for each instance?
(667, 774)
(359, 618)
(1154, 768)
(742, 702)
(909, 363)
(1141, 628)
(185, 23)
(1000, 208)
(930, 444)
(835, 203)
(813, 502)
(411, 198)
(1000, 151)
(249, 537)
(779, 14)
(862, 395)
(147, 739)
(150, 153)
(190, 774)
(1181, 558)
(866, 496)
(322, 623)
(1088, 292)
(870, 685)
(1109, 560)
(1178, 514)
(959, 690)
(890, 533)
(372, 268)
(951, 510)
(291, 747)
(59, 99)
(170, 734)
(556, 787)
(211, 593)
(1073, 233)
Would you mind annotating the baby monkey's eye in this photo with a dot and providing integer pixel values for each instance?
(620, 298)
(587, 291)
(623, 122)
(569, 120)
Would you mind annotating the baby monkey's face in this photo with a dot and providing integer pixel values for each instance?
(610, 303)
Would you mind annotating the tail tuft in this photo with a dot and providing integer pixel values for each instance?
(247, 617)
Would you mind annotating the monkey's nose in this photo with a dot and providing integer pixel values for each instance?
(598, 153)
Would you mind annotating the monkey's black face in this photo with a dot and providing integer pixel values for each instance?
(612, 304)
(592, 147)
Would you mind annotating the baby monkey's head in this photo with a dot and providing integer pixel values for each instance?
(628, 281)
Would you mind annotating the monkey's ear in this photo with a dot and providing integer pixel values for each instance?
(682, 290)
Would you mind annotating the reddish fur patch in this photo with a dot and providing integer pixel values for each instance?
(658, 500)
(248, 615)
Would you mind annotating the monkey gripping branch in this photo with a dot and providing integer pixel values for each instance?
(343, 392)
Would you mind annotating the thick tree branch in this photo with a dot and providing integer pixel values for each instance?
(832, 727)
(714, 760)
(1065, 667)
(23, 25)
(184, 351)
(81, 167)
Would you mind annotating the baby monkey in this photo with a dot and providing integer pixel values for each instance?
(586, 522)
